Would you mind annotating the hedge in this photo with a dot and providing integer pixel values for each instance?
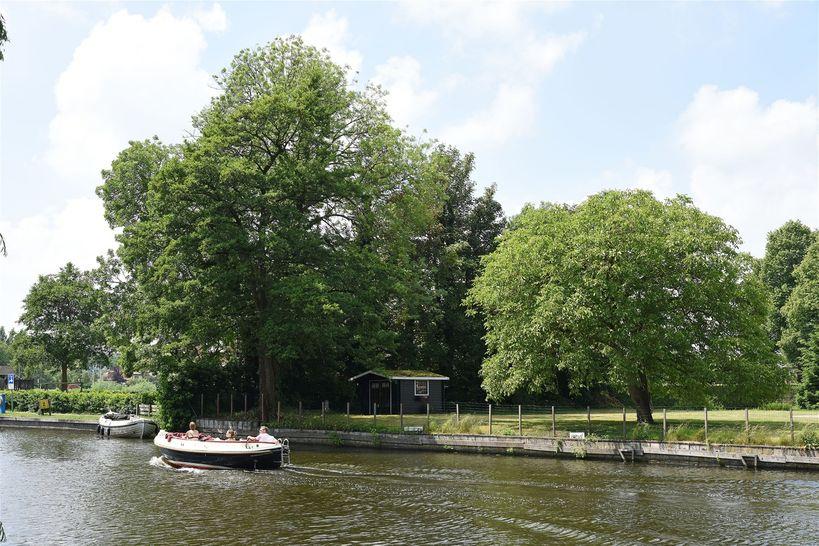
(75, 401)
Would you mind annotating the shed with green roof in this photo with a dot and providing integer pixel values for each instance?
(386, 391)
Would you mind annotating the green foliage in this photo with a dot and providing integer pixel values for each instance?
(626, 291)
(785, 250)
(800, 339)
(278, 239)
(4, 37)
(809, 437)
(138, 386)
(75, 401)
(60, 314)
(468, 424)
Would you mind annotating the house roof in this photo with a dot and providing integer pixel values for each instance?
(5, 370)
(403, 374)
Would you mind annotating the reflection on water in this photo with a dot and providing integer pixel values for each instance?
(70, 487)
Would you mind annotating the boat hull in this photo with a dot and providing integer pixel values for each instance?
(131, 428)
(179, 451)
(269, 460)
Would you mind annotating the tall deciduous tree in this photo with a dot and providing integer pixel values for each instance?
(800, 339)
(623, 290)
(260, 238)
(436, 333)
(60, 314)
(785, 250)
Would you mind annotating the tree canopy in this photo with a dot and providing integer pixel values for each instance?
(785, 250)
(800, 339)
(278, 234)
(645, 296)
(60, 314)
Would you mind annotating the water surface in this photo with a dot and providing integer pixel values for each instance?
(71, 488)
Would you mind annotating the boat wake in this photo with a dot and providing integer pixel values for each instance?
(159, 462)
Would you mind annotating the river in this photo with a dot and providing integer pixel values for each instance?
(70, 487)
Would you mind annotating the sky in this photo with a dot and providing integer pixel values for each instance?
(558, 100)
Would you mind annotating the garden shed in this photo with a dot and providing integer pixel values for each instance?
(389, 389)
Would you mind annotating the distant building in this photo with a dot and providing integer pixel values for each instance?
(391, 388)
(5, 371)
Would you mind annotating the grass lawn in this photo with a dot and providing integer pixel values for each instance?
(55, 416)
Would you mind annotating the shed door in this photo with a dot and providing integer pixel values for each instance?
(380, 394)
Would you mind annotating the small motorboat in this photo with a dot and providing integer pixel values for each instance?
(124, 425)
(206, 452)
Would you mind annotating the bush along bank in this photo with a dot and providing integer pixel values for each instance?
(78, 401)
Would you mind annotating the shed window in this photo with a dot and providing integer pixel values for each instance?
(422, 388)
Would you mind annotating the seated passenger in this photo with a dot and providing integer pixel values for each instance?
(263, 436)
(230, 434)
(192, 432)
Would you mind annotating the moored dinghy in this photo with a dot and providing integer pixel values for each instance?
(121, 425)
(212, 453)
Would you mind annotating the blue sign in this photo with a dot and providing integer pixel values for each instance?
(11, 381)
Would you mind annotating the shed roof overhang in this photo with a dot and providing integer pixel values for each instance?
(417, 375)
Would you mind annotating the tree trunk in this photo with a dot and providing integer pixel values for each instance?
(64, 378)
(267, 384)
(641, 397)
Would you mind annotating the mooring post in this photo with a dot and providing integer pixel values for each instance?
(747, 422)
(457, 414)
(705, 413)
(520, 422)
(624, 422)
(554, 424)
(201, 404)
(790, 417)
(427, 417)
(401, 416)
(490, 419)
(588, 420)
(665, 424)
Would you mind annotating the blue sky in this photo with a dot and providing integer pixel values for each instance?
(557, 100)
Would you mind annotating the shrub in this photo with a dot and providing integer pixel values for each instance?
(468, 424)
(75, 401)
(809, 437)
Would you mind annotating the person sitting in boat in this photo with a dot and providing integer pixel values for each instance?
(230, 434)
(192, 432)
(264, 436)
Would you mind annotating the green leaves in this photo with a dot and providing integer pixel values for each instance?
(626, 291)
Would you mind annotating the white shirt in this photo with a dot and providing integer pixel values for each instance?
(265, 437)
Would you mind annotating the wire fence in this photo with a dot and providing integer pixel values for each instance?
(711, 425)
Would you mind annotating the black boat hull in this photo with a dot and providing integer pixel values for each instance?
(266, 460)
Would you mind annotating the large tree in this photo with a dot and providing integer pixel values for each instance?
(800, 338)
(643, 296)
(60, 313)
(785, 250)
(436, 333)
(272, 237)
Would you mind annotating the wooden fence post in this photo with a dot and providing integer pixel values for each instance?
(427, 417)
(705, 413)
(231, 404)
(588, 420)
(262, 410)
(554, 424)
(624, 423)
(747, 422)
(520, 422)
(790, 417)
(279, 411)
(201, 404)
(323, 420)
(217, 405)
(301, 411)
(457, 414)
(348, 411)
(375, 413)
(665, 424)
(490, 419)
(245, 402)
(401, 416)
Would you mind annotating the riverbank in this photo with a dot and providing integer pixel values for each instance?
(632, 451)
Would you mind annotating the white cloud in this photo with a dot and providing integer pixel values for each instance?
(329, 31)
(754, 165)
(511, 114)
(214, 19)
(657, 181)
(407, 100)
(41, 244)
(131, 78)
